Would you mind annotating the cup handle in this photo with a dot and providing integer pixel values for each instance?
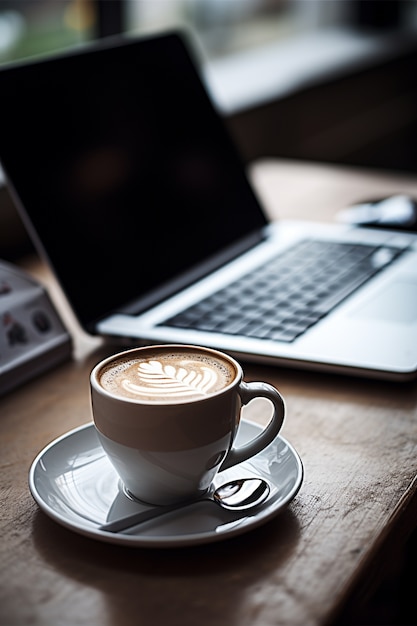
(247, 392)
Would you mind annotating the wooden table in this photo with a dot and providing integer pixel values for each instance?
(316, 563)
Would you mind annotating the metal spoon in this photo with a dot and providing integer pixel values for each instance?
(236, 495)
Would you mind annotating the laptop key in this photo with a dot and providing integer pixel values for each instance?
(290, 293)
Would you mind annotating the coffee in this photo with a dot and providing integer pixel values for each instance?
(164, 376)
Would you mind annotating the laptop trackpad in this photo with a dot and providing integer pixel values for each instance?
(397, 303)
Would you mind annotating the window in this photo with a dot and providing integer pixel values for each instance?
(222, 27)
(29, 28)
(226, 27)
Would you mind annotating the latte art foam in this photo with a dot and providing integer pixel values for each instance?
(167, 377)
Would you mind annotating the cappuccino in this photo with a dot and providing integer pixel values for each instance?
(165, 376)
(168, 416)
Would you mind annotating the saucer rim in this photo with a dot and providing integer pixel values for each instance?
(166, 541)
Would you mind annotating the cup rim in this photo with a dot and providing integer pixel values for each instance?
(174, 346)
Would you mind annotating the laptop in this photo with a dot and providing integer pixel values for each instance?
(133, 191)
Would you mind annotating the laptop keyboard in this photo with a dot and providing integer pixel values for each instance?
(282, 298)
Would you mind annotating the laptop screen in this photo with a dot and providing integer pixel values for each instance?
(123, 167)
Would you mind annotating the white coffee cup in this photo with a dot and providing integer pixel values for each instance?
(167, 417)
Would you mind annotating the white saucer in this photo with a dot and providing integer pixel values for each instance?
(73, 482)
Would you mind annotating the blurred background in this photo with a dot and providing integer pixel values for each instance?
(322, 80)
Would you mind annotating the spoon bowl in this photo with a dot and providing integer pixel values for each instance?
(241, 494)
(237, 495)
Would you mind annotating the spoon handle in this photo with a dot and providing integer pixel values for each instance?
(142, 516)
